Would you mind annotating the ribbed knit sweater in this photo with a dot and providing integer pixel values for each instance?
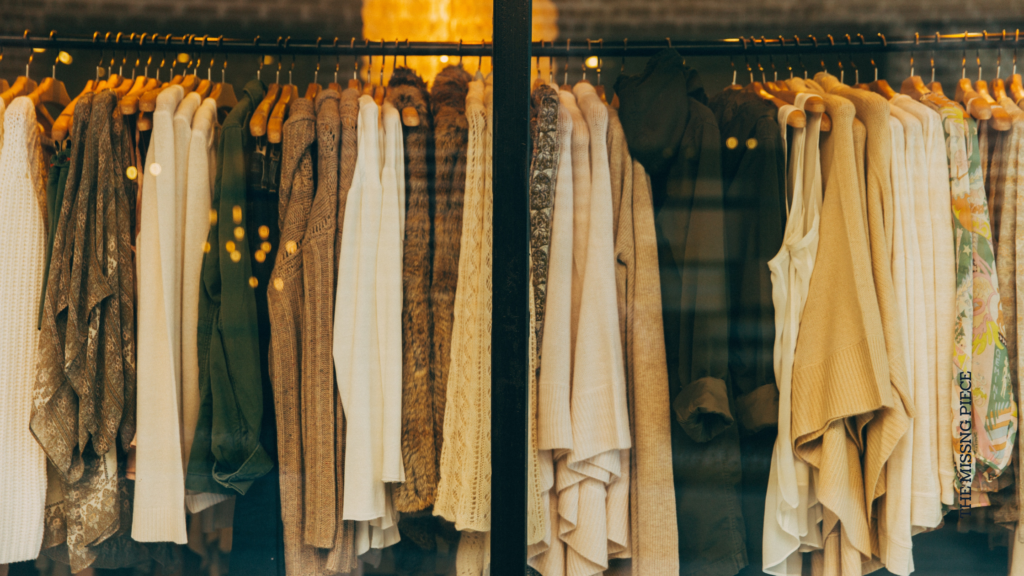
(888, 425)
(285, 304)
(22, 464)
(840, 362)
(318, 263)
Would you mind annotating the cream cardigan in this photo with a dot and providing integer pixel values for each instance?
(199, 179)
(22, 461)
(554, 429)
(357, 347)
(159, 511)
(925, 507)
(937, 198)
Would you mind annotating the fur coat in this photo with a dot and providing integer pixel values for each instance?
(448, 104)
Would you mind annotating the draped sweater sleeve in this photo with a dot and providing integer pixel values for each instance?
(318, 261)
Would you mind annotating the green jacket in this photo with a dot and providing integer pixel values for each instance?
(226, 455)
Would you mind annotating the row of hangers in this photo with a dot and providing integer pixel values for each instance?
(268, 119)
(974, 99)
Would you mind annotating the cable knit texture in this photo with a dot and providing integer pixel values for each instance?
(317, 327)
(406, 89)
(448, 105)
(464, 488)
(285, 303)
(22, 464)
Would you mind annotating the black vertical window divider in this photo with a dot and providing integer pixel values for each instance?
(510, 338)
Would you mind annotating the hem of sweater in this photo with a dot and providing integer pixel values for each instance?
(898, 558)
(159, 525)
(199, 501)
(928, 517)
(21, 550)
(204, 483)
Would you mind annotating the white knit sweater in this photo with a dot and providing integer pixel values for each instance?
(199, 179)
(22, 462)
(159, 514)
(356, 347)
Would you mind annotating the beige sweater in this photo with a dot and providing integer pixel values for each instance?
(840, 366)
(653, 530)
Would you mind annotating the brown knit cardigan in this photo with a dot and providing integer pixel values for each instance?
(405, 90)
(342, 557)
(448, 104)
(317, 331)
(285, 305)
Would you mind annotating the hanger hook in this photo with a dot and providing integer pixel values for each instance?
(369, 65)
(1016, 38)
(565, 79)
(460, 52)
(600, 59)
(316, 73)
(355, 59)
(789, 66)
(405, 55)
(383, 61)
(337, 63)
(963, 58)
(625, 45)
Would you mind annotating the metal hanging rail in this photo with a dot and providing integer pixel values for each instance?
(753, 45)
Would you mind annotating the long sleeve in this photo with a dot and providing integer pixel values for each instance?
(159, 513)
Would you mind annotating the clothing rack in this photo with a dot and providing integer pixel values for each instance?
(753, 45)
(512, 51)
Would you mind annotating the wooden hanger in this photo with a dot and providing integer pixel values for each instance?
(1001, 120)
(815, 104)
(998, 89)
(275, 124)
(62, 124)
(130, 103)
(975, 105)
(797, 119)
(22, 85)
(50, 90)
(314, 87)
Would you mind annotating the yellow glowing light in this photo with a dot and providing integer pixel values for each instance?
(236, 256)
(268, 59)
(592, 62)
(278, 284)
(236, 214)
(239, 232)
(183, 57)
(64, 58)
(206, 247)
(443, 21)
(751, 143)
(154, 169)
(265, 247)
(732, 142)
(132, 172)
(260, 256)
(253, 281)
(264, 232)
(213, 217)
(291, 247)
(39, 50)
(229, 246)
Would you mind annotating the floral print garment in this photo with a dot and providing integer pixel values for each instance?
(959, 168)
(980, 353)
(994, 409)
